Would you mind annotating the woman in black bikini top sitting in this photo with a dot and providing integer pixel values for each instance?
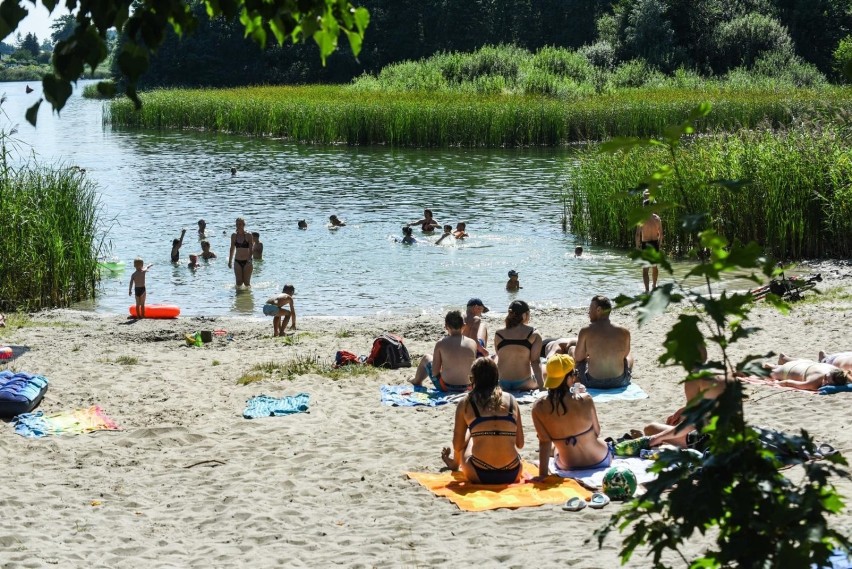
(490, 454)
(240, 255)
(567, 423)
(518, 346)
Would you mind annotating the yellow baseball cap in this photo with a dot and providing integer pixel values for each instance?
(558, 366)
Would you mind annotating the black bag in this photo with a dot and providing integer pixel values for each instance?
(389, 351)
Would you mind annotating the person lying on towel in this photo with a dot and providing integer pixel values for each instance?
(807, 375)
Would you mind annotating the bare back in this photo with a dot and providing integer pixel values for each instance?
(453, 357)
(605, 346)
(575, 434)
(651, 229)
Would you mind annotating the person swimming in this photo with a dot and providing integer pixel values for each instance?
(428, 223)
(407, 237)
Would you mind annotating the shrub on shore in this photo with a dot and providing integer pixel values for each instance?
(49, 250)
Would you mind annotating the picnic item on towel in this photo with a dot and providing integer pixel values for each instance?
(74, 422)
(20, 392)
(479, 497)
(266, 406)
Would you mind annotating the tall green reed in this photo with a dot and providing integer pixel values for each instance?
(50, 245)
(796, 204)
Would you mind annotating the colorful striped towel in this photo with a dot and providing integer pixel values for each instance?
(74, 422)
(266, 406)
(479, 497)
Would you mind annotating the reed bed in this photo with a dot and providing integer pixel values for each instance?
(797, 205)
(340, 114)
(50, 248)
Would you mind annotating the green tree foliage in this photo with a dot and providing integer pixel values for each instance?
(63, 28)
(735, 493)
(649, 35)
(30, 44)
(745, 38)
(843, 58)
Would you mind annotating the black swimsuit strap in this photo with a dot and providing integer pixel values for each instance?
(473, 405)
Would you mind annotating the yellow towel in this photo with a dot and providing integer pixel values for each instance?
(479, 497)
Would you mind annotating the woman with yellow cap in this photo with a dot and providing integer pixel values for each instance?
(567, 423)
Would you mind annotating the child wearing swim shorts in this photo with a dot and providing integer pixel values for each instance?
(137, 282)
(281, 305)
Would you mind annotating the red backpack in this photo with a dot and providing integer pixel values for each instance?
(344, 358)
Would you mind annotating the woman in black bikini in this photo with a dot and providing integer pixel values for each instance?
(518, 347)
(567, 423)
(240, 255)
(487, 432)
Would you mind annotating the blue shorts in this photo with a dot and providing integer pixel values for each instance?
(271, 309)
(595, 383)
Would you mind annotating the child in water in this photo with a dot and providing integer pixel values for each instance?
(193, 261)
(257, 247)
(335, 222)
(137, 281)
(206, 253)
(578, 251)
(176, 245)
(281, 305)
(303, 224)
(202, 227)
(460, 232)
(513, 284)
(448, 230)
(408, 238)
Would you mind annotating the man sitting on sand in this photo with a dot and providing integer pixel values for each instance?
(807, 375)
(275, 306)
(449, 365)
(603, 350)
(474, 327)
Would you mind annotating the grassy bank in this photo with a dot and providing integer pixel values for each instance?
(335, 114)
(798, 203)
(49, 250)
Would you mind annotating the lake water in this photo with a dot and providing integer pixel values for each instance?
(153, 184)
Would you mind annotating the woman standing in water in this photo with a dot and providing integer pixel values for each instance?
(240, 255)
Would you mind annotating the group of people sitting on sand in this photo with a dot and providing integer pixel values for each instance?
(488, 430)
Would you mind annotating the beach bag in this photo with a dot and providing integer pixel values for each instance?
(389, 351)
(344, 358)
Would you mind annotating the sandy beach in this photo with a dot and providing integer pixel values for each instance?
(188, 482)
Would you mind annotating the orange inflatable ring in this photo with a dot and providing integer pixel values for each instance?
(158, 311)
(6, 353)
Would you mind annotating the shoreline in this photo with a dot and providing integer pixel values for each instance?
(327, 486)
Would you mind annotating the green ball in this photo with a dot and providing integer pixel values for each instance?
(619, 483)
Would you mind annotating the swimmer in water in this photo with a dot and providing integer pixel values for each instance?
(428, 223)
(448, 230)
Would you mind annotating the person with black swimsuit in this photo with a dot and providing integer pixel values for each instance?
(241, 254)
(487, 432)
(518, 347)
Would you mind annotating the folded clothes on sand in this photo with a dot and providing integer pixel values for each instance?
(593, 477)
(73, 422)
(479, 497)
(266, 406)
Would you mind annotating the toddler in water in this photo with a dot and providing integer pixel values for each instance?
(448, 230)
(206, 253)
(303, 224)
(460, 232)
(176, 245)
(137, 280)
(513, 284)
(257, 247)
(408, 238)
(335, 222)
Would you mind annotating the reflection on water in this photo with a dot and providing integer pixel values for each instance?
(154, 184)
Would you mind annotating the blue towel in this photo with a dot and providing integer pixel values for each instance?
(266, 406)
(630, 392)
(838, 560)
(413, 396)
(20, 387)
(832, 389)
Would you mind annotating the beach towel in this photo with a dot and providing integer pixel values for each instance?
(266, 406)
(20, 392)
(630, 392)
(78, 421)
(415, 395)
(593, 477)
(832, 389)
(839, 560)
(479, 497)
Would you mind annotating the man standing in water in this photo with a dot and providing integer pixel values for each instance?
(603, 350)
(474, 328)
(650, 234)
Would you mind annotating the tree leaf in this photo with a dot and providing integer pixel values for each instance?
(56, 90)
(32, 112)
(683, 342)
(656, 303)
(11, 14)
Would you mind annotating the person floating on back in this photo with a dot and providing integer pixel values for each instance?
(281, 305)
(428, 223)
(176, 245)
(333, 221)
(460, 232)
(137, 285)
(650, 234)
(257, 246)
(513, 284)
(206, 253)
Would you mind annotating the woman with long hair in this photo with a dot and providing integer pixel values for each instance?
(240, 255)
(518, 348)
(487, 432)
(566, 422)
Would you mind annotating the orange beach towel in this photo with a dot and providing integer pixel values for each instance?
(480, 497)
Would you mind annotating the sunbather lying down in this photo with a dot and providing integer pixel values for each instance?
(804, 374)
(843, 360)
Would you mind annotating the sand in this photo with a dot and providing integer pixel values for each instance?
(328, 486)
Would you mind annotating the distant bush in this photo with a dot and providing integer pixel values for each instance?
(741, 41)
(843, 59)
(563, 62)
(600, 54)
(633, 73)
